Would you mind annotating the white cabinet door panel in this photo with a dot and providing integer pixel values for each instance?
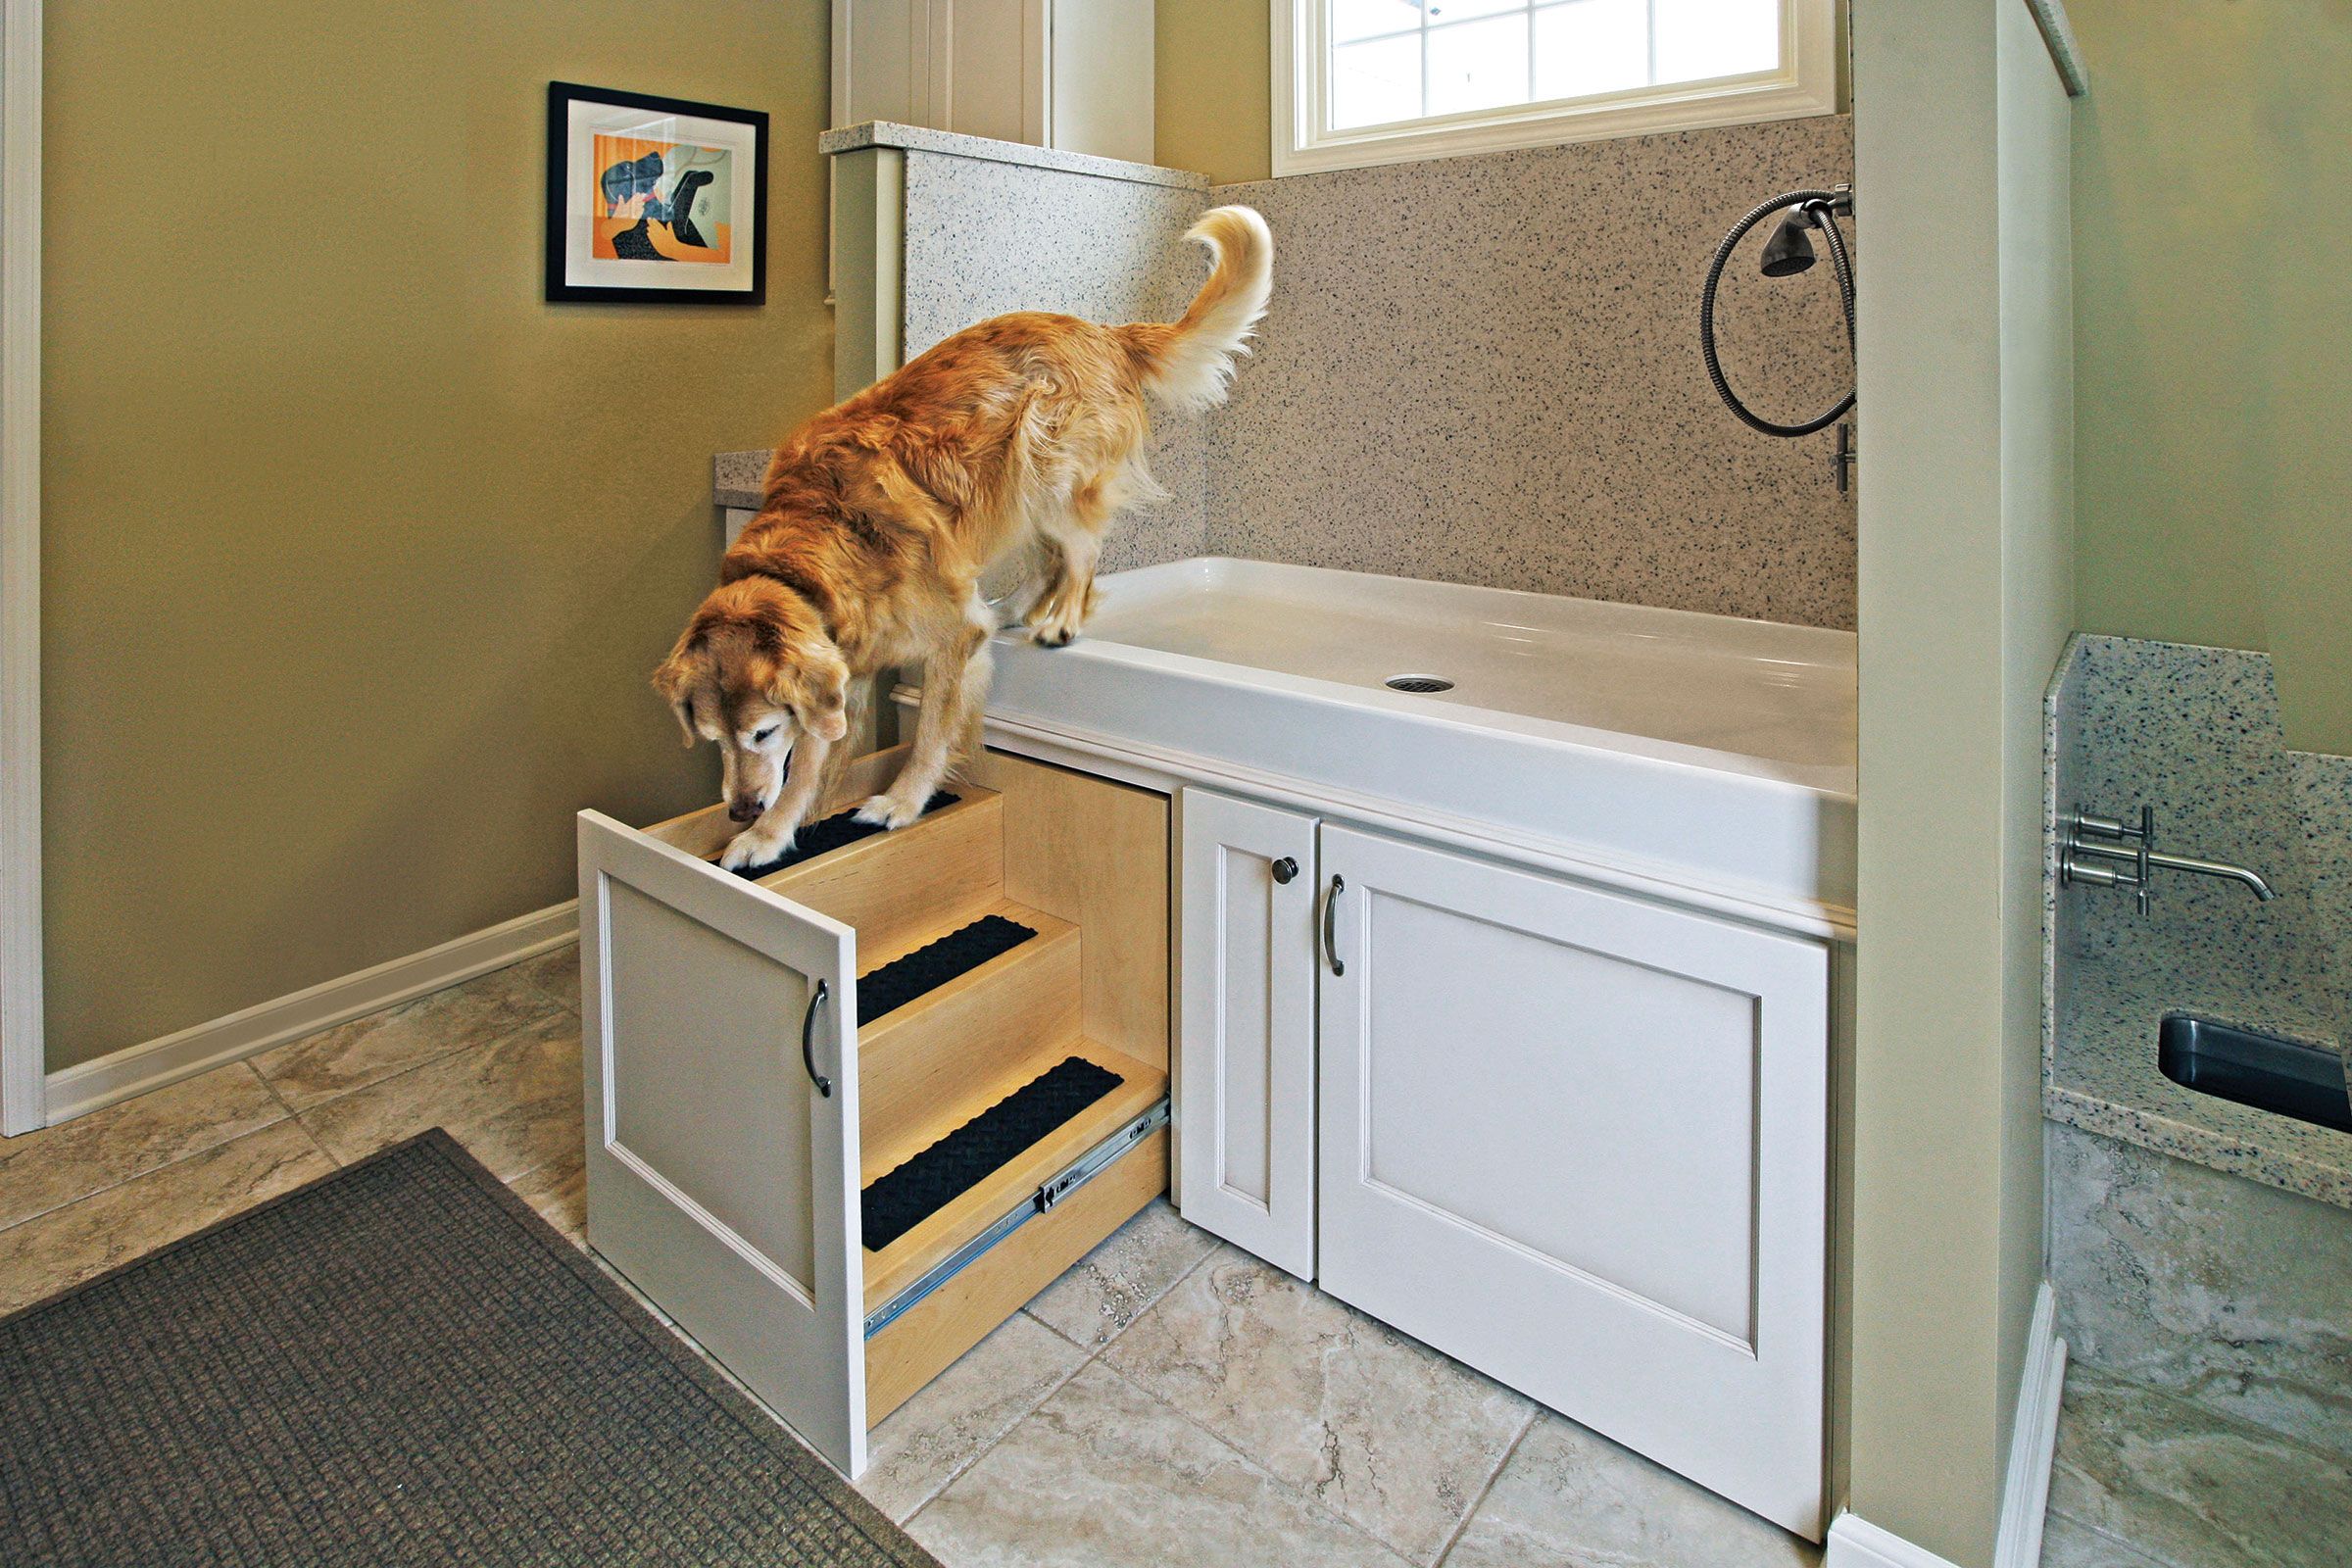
(1245, 1081)
(1580, 1141)
(721, 1179)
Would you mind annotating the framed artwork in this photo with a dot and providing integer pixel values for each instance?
(653, 199)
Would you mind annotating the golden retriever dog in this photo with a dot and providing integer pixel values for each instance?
(1024, 433)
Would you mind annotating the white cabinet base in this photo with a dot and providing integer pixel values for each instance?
(1580, 1141)
(1575, 1137)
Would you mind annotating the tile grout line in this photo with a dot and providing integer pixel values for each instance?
(159, 1168)
(556, 1006)
(1486, 1489)
(267, 1088)
(2230, 1420)
(1535, 1412)
(957, 1472)
(1088, 1355)
(1313, 1503)
(554, 1010)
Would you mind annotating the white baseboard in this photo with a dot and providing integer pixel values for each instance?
(78, 1090)
(1855, 1542)
(2034, 1440)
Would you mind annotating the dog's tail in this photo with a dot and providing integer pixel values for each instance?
(1187, 364)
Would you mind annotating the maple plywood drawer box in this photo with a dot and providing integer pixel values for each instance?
(746, 1112)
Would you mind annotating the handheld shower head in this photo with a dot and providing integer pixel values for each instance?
(1789, 251)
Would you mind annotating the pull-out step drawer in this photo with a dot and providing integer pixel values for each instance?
(847, 1114)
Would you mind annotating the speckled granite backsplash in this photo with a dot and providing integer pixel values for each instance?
(1486, 369)
(2194, 732)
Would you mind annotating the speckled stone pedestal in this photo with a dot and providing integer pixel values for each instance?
(2201, 1250)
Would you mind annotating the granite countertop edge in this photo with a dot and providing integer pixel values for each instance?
(739, 478)
(924, 139)
(2101, 1075)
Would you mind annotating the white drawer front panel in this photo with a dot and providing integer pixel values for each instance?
(1524, 1087)
(708, 1113)
(717, 1179)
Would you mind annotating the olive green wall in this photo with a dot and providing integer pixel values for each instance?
(357, 553)
(2212, 162)
(1212, 86)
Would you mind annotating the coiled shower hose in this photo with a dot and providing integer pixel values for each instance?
(1825, 218)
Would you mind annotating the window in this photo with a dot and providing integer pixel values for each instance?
(1380, 81)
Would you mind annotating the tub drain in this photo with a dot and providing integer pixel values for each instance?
(1418, 683)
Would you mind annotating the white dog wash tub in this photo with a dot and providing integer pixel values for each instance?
(1712, 755)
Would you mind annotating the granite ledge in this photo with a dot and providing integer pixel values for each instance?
(2103, 1078)
(923, 139)
(2310, 1177)
(739, 478)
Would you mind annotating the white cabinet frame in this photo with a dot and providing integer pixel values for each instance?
(1246, 1030)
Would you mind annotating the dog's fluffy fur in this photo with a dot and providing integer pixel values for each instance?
(1022, 434)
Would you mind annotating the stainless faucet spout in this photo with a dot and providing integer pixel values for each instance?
(2091, 839)
(2230, 873)
(2252, 879)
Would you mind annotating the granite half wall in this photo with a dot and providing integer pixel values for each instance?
(984, 238)
(2198, 1247)
(1476, 370)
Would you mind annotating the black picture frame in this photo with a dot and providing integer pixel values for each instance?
(561, 96)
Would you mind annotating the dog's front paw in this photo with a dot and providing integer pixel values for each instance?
(1058, 630)
(890, 811)
(753, 847)
(1057, 624)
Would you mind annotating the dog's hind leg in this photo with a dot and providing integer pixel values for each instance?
(955, 691)
(1076, 539)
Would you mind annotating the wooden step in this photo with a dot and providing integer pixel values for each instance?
(898, 889)
(949, 1046)
(918, 1346)
(913, 1255)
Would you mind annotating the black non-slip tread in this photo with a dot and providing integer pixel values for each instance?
(905, 1196)
(838, 831)
(935, 963)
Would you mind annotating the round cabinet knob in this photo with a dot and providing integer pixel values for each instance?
(1285, 869)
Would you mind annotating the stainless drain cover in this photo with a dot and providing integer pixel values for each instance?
(1418, 683)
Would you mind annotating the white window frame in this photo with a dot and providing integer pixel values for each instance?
(1807, 83)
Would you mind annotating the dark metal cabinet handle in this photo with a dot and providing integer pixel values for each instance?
(1330, 940)
(817, 1000)
(1285, 869)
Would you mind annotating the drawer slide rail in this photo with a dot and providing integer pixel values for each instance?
(1077, 1174)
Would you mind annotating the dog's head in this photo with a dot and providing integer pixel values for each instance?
(754, 671)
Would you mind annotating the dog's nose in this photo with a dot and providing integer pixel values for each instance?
(742, 811)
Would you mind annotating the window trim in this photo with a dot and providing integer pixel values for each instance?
(1807, 83)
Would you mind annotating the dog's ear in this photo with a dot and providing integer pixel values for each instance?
(824, 683)
(674, 681)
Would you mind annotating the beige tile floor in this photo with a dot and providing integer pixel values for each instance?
(2147, 1479)
(1170, 1400)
